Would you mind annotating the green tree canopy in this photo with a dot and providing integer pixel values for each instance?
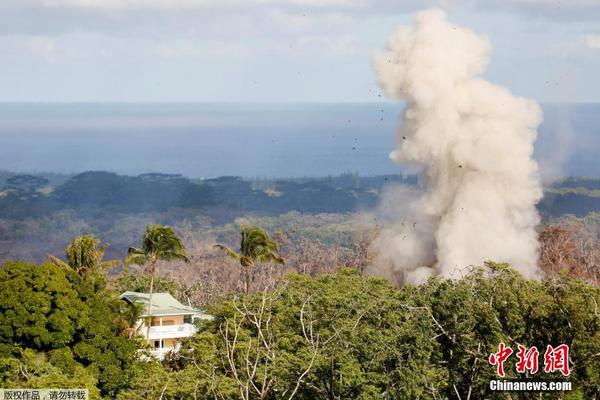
(343, 336)
(49, 309)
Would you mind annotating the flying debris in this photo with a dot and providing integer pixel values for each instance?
(485, 208)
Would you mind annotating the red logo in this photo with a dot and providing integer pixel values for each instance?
(528, 360)
(499, 358)
(556, 359)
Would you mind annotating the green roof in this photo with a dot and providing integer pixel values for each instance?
(162, 304)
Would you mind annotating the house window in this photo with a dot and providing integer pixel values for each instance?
(157, 344)
(187, 319)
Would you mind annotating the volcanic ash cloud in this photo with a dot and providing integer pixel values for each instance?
(472, 144)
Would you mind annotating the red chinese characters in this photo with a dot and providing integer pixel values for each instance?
(528, 359)
(556, 359)
(499, 358)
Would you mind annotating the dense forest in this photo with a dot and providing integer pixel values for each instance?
(40, 213)
(317, 326)
(331, 336)
(224, 198)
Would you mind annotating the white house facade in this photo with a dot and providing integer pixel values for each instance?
(169, 323)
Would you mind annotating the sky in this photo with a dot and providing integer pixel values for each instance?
(274, 50)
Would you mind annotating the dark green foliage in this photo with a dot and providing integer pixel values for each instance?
(357, 338)
(118, 207)
(72, 320)
(36, 370)
(577, 196)
(39, 306)
(104, 197)
(222, 198)
(98, 189)
(339, 336)
(577, 202)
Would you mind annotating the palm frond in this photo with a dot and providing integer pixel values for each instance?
(229, 251)
(173, 256)
(181, 257)
(271, 257)
(135, 250)
(159, 243)
(58, 262)
(102, 249)
(255, 245)
(136, 259)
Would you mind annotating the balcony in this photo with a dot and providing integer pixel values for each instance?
(169, 331)
(162, 352)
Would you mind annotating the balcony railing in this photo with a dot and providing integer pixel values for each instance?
(162, 352)
(169, 331)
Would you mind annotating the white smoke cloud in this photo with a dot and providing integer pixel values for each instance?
(472, 143)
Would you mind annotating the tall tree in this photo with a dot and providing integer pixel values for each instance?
(128, 317)
(159, 243)
(256, 246)
(84, 256)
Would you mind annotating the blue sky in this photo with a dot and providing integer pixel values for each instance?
(274, 50)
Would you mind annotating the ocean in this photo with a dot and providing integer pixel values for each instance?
(205, 140)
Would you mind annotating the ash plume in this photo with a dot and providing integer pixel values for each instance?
(471, 142)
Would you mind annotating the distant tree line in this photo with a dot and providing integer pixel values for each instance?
(225, 198)
(30, 196)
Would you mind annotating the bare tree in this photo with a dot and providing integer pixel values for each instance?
(571, 245)
(249, 359)
(259, 353)
(361, 255)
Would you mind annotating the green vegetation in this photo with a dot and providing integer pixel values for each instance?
(222, 198)
(84, 256)
(39, 214)
(331, 336)
(255, 246)
(59, 330)
(327, 333)
(348, 337)
(37, 220)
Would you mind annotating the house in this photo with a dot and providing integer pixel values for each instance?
(171, 321)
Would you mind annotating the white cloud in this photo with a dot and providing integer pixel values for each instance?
(592, 41)
(172, 4)
(43, 47)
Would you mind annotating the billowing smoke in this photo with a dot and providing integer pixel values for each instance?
(472, 144)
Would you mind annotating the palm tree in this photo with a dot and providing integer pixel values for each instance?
(159, 243)
(84, 256)
(128, 316)
(256, 246)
